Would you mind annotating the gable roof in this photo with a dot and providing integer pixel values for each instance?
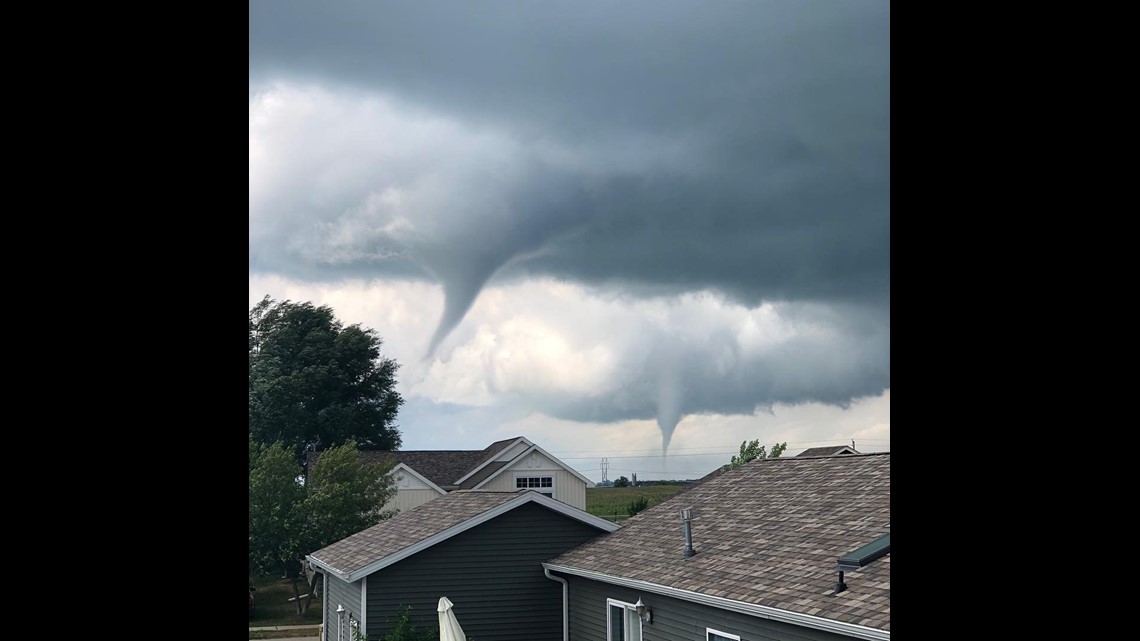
(767, 537)
(480, 476)
(403, 467)
(422, 527)
(489, 453)
(828, 451)
(441, 467)
(535, 448)
(446, 468)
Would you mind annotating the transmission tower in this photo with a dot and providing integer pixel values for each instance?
(605, 469)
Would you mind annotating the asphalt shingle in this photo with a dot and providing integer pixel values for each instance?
(769, 533)
(442, 467)
(826, 451)
(408, 528)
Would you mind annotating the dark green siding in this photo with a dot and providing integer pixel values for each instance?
(673, 619)
(492, 573)
(346, 594)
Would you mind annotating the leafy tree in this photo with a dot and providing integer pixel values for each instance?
(750, 451)
(345, 496)
(315, 381)
(621, 482)
(275, 517)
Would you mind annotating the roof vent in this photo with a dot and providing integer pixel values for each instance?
(686, 518)
(860, 557)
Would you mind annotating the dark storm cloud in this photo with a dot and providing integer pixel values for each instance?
(655, 147)
(782, 108)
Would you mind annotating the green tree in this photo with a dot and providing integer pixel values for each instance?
(345, 496)
(750, 451)
(315, 381)
(275, 499)
(621, 482)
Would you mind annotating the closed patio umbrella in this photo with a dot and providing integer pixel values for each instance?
(449, 629)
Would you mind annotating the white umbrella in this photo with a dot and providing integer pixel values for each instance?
(449, 629)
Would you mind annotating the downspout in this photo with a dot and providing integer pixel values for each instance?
(565, 602)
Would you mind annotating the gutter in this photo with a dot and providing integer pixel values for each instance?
(565, 601)
(318, 564)
(761, 611)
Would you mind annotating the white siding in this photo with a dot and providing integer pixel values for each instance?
(567, 488)
(408, 499)
(406, 481)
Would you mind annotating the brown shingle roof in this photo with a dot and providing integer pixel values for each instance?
(769, 533)
(408, 528)
(826, 451)
(498, 446)
(442, 467)
(482, 474)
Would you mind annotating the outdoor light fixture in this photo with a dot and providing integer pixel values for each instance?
(643, 611)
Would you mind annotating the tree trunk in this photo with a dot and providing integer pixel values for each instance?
(297, 595)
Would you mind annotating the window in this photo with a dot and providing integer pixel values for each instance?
(622, 622)
(717, 635)
(540, 484)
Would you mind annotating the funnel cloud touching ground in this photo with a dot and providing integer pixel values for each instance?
(637, 152)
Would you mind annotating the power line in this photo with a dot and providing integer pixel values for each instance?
(590, 458)
(736, 446)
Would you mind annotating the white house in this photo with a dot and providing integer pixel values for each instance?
(510, 464)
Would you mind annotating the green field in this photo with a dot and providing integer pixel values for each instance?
(612, 502)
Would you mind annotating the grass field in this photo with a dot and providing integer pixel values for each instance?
(609, 501)
(273, 607)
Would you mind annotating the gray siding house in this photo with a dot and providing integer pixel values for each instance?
(481, 549)
(768, 541)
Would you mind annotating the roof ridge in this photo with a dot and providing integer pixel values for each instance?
(811, 458)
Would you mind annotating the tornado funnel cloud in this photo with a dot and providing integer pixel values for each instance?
(463, 278)
(458, 298)
(668, 404)
(667, 425)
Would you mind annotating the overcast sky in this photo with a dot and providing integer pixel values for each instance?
(610, 227)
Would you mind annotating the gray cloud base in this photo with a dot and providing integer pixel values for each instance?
(655, 147)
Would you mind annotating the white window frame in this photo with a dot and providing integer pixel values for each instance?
(630, 609)
(708, 631)
(538, 475)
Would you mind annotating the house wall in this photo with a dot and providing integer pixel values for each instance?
(346, 594)
(567, 488)
(492, 573)
(410, 492)
(408, 499)
(673, 619)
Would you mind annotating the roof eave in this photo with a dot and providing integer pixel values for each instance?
(534, 448)
(326, 567)
(762, 611)
(491, 458)
(523, 498)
